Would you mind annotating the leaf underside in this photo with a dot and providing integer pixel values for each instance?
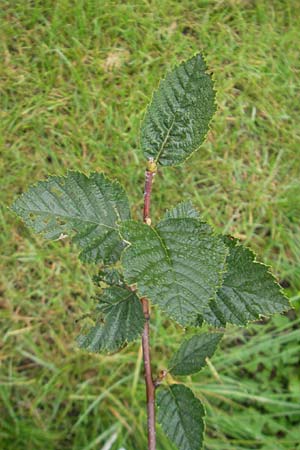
(249, 290)
(181, 414)
(177, 119)
(120, 320)
(190, 358)
(87, 207)
(177, 265)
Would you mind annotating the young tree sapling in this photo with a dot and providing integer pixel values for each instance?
(181, 265)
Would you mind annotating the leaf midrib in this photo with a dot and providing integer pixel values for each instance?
(163, 145)
(186, 356)
(169, 259)
(180, 415)
(171, 264)
(160, 151)
(48, 213)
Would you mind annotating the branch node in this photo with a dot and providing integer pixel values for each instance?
(160, 378)
(151, 166)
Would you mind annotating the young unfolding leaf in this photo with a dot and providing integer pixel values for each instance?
(88, 207)
(178, 265)
(249, 290)
(120, 320)
(181, 414)
(177, 119)
(190, 358)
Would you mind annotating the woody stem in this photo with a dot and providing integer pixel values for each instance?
(150, 387)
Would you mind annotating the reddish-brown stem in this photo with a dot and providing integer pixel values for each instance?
(147, 196)
(150, 387)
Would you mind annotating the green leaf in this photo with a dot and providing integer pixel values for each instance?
(182, 210)
(177, 119)
(181, 414)
(178, 265)
(109, 276)
(249, 290)
(190, 358)
(120, 319)
(88, 207)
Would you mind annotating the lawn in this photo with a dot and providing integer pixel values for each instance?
(75, 78)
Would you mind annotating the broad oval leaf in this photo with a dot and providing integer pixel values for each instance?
(88, 207)
(177, 119)
(248, 292)
(120, 320)
(178, 265)
(181, 414)
(190, 358)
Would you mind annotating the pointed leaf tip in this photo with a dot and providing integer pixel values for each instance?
(87, 207)
(177, 120)
(182, 210)
(191, 356)
(249, 290)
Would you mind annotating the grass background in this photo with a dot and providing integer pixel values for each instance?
(76, 77)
